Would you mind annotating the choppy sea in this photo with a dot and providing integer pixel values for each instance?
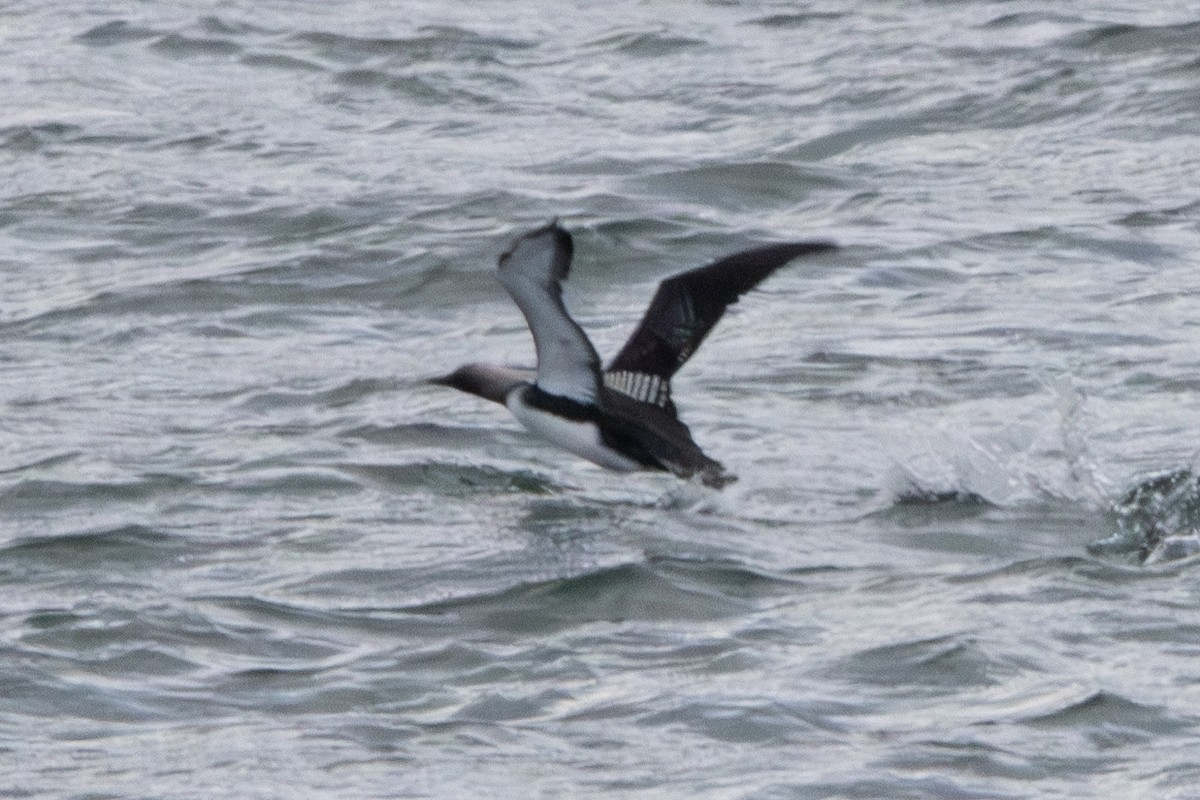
(247, 551)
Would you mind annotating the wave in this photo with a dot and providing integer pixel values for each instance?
(797, 20)
(38, 493)
(343, 394)
(943, 662)
(117, 31)
(749, 184)
(180, 46)
(442, 478)
(428, 43)
(1072, 573)
(1115, 717)
(1181, 37)
(439, 90)
(131, 543)
(643, 43)
(658, 588)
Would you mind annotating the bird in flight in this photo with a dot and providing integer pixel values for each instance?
(621, 416)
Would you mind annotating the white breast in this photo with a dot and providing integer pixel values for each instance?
(581, 438)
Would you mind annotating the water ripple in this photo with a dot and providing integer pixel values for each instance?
(234, 245)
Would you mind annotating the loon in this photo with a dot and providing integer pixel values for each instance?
(621, 417)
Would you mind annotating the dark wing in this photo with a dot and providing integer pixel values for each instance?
(684, 309)
(532, 271)
(656, 438)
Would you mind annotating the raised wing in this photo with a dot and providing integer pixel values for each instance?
(532, 271)
(684, 309)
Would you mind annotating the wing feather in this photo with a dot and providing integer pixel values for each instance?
(685, 308)
(532, 271)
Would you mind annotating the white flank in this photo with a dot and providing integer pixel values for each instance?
(581, 438)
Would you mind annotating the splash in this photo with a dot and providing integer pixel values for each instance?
(952, 467)
(1015, 463)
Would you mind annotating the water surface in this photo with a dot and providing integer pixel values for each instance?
(245, 548)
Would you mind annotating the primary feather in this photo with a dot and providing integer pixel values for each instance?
(684, 309)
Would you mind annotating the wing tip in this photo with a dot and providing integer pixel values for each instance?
(562, 245)
(805, 248)
(747, 268)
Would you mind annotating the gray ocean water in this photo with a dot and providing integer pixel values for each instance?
(246, 551)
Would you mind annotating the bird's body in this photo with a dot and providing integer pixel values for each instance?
(578, 430)
(622, 417)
